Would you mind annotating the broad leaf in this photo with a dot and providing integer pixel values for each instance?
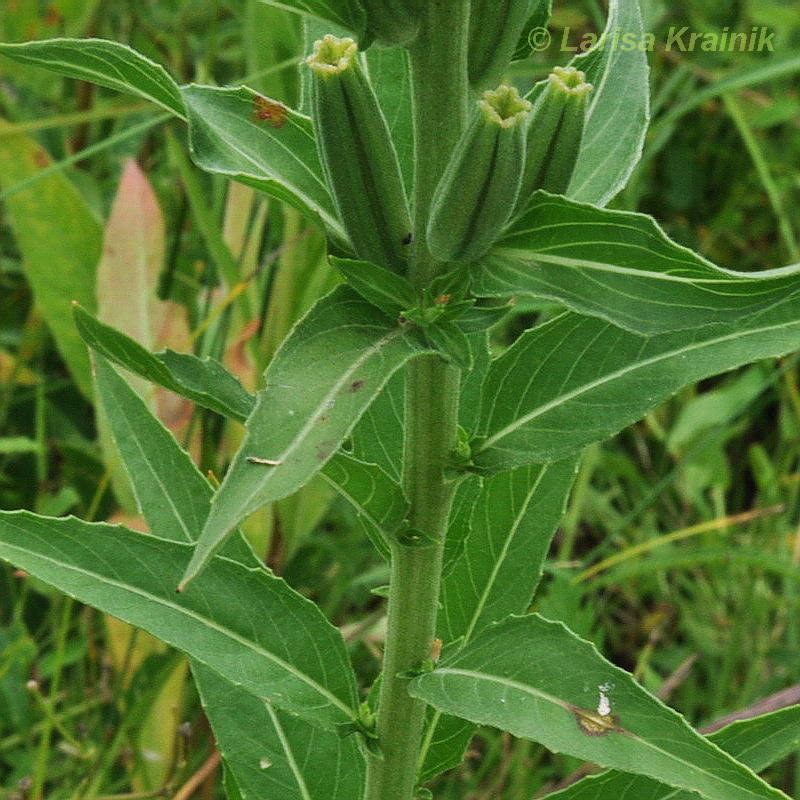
(60, 242)
(261, 143)
(334, 363)
(386, 290)
(757, 743)
(266, 749)
(537, 680)
(620, 108)
(245, 624)
(622, 267)
(204, 381)
(381, 505)
(512, 525)
(105, 63)
(345, 13)
(577, 380)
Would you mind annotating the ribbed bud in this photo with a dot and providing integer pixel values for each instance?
(494, 30)
(357, 155)
(392, 22)
(555, 133)
(478, 191)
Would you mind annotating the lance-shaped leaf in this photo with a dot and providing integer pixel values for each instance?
(267, 750)
(758, 743)
(105, 63)
(620, 109)
(244, 623)
(347, 13)
(203, 380)
(262, 143)
(622, 267)
(379, 501)
(512, 524)
(538, 680)
(577, 380)
(334, 363)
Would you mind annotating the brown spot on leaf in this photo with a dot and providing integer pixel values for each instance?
(325, 449)
(272, 112)
(40, 158)
(408, 238)
(593, 724)
(356, 386)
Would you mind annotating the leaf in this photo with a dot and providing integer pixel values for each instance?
(110, 64)
(18, 445)
(204, 381)
(242, 622)
(262, 143)
(175, 498)
(540, 13)
(459, 526)
(379, 501)
(390, 74)
(577, 380)
(60, 242)
(512, 524)
(347, 13)
(452, 343)
(275, 755)
(758, 743)
(553, 699)
(622, 267)
(380, 287)
(324, 376)
(620, 109)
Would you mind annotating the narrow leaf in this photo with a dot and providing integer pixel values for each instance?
(262, 143)
(105, 63)
(204, 381)
(757, 743)
(379, 501)
(386, 290)
(620, 111)
(577, 380)
(334, 363)
(266, 749)
(571, 700)
(622, 267)
(243, 623)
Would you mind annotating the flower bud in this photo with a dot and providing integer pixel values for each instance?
(494, 30)
(358, 155)
(555, 133)
(478, 191)
(392, 22)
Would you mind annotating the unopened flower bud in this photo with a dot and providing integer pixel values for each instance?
(494, 30)
(358, 155)
(479, 188)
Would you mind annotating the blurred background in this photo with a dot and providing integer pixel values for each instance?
(680, 552)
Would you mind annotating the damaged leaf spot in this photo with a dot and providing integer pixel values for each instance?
(594, 724)
(272, 112)
(267, 462)
(356, 386)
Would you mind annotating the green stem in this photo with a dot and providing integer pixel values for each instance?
(439, 80)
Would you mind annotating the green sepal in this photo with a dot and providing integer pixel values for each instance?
(451, 342)
(494, 32)
(479, 188)
(386, 290)
(358, 156)
(392, 22)
(555, 133)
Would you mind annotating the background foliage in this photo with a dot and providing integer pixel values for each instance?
(679, 553)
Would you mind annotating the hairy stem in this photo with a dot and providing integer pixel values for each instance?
(439, 79)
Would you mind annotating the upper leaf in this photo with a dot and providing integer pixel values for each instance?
(105, 63)
(334, 363)
(622, 267)
(537, 680)
(577, 380)
(346, 13)
(262, 143)
(620, 110)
